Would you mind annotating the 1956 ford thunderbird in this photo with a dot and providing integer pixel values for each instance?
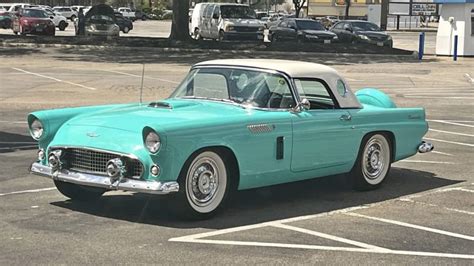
(231, 124)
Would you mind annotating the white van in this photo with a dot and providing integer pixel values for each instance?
(225, 21)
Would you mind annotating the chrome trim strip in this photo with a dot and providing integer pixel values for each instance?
(129, 155)
(150, 187)
(260, 128)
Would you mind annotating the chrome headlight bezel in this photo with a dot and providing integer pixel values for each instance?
(152, 141)
(36, 129)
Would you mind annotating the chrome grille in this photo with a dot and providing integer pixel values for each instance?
(95, 162)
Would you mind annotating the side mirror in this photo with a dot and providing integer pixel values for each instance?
(215, 16)
(293, 27)
(347, 28)
(302, 106)
(51, 17)
(305, 104)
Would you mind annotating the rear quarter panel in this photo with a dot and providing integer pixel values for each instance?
(408, 126)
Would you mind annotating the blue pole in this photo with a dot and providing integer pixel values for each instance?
(421, 46)
(455, 55)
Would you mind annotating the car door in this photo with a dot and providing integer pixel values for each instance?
(346, 32)
(292, 30)
(214, 22)
(322, 134)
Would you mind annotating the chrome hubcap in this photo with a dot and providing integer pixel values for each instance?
(204, 181)
(376, 158)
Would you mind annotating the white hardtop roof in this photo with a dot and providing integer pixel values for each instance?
(292, 68)
(295, 69)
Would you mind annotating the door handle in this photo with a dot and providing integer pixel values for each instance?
(345, 118)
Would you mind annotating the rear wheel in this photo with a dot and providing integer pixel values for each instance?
(204, 186)
(197, 34)
(373, 163)
(126, 29)
(73, 17)
(78, 192)
(62, 25)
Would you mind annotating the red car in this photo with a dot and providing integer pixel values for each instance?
(33, 21)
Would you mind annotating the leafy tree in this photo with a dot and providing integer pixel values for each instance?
(298, 6)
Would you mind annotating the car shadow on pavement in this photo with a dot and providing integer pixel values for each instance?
(14, 51)
(126, 55)
(11, 142)
(265, 204)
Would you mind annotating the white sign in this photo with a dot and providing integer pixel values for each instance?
(423, 9)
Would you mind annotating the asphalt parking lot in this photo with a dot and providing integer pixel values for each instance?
(423, 214)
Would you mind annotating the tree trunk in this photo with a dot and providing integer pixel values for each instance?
(180, 22)
(348, 5)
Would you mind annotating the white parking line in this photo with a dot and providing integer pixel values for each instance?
(442, 153)
(14, 122)
(28, 191)
(450, 123)
(55, 79)
(18, 142)
(138, 76)
(419, 161)
(18, 147)
(436, 97)
(452, 142)
(419, 227)
(330, 237)
(451, 132)
(456, 189)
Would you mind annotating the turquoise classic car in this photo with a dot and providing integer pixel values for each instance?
(230, 125)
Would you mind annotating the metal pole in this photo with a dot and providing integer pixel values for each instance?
(398, 22)
(141, 87)
(421, 46)
(455, 54)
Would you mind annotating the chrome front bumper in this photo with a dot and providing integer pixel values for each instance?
(126, 184)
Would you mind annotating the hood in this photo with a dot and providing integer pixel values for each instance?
(319, 32)
(35, 20)
(243, 22)
(101, 9)
(166, 115)
(379, 34)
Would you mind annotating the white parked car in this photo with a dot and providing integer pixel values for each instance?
(127, 13)
(221, 21)
(66, 11)
(59, 21)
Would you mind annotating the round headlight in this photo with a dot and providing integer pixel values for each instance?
(36, 129)
(152, 142)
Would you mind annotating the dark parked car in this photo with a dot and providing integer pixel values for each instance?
(33, 21)
(301, 30)
(124, 23)
(5, 20)
(354, 31)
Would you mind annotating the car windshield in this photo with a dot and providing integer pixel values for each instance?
(309, 25)
(241, 86)
(365, 26)
(101, 19)
(237, 12)
(34, 13)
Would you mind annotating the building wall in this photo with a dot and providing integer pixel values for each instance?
(320, 8)
(461, 27)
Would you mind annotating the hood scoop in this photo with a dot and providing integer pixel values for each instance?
(160, 105)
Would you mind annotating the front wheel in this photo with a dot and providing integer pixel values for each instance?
(78, 192)
(373, 163)
(204, 185)
(73, 17)
(126, 29)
